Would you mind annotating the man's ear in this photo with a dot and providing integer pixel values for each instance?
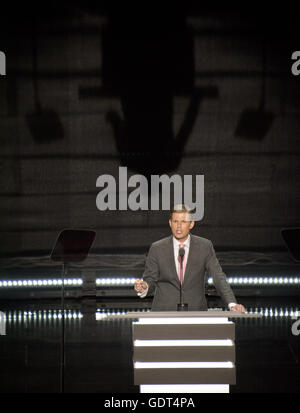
(192, 223)
(170, 223)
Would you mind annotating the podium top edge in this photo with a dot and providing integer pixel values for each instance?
(185, 314)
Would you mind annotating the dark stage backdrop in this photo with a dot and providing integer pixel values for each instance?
(189, 91)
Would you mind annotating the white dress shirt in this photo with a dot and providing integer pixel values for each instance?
(176, 244)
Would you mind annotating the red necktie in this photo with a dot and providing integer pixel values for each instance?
(181, 276)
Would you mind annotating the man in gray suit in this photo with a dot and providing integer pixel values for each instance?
(163, 272)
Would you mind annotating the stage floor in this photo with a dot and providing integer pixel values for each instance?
(98, 353)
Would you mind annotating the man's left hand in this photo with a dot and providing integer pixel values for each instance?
(238, 307)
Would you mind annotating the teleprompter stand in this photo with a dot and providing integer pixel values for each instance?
(72, 245)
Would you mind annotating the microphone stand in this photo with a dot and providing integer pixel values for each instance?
(181, 306)
(62, 344)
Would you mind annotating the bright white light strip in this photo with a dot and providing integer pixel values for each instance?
(184, 388)
(275, 312)
(41, 283)
(56, 314)
(184, 320)
(185, 343)
(42, 315)
(128, 282)
(266, 312)
(101, 314)
(115, 281)
(183, 364)
(260, 280)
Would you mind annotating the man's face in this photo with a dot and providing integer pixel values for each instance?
(181, 225)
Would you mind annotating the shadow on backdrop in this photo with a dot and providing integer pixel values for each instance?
(255, 123)
(44, 123)
(148, 60)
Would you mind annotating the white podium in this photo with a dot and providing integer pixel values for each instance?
(184, 352)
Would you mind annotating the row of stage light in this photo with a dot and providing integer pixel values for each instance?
(101, 314)
(129, 282)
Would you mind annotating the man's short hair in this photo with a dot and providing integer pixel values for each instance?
(181, 208)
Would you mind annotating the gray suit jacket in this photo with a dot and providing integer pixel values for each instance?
(161, 275)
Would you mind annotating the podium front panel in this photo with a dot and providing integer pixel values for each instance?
(189, 375)
(184, 350)
(183, 331)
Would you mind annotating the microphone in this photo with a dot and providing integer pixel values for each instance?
(181, 306)
(181, 253)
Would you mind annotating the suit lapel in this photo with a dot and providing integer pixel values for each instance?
(191, 258)
(169, 256)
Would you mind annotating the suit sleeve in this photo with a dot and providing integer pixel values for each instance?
(151, 272)
(214, 270)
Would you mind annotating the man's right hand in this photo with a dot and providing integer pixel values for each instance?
(140, 286)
